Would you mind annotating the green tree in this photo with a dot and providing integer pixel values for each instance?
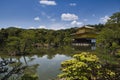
(13, 45)
(109, 38)
(3, 38)
(30, 73)
(19, 43)
(114, 19)
(85, 66)
(49, 37)
(27, 39)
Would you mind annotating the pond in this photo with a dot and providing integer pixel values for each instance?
(48, 61)
(48, 69)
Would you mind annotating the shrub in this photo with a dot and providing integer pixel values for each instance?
(84, 66)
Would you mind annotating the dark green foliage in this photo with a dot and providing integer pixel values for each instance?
(109, 38)
(114, 20)
(29, 77)
(3, 38)
(16, 40)
(30, 73)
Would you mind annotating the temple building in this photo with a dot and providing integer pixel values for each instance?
(85, 36)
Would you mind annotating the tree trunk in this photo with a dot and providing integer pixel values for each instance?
(24, 48)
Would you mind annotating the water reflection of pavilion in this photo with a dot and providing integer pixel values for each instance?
(85, 36)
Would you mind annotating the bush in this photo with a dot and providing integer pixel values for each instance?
(85, 66)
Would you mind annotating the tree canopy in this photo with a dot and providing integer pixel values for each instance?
(17, 40)
(109, 38)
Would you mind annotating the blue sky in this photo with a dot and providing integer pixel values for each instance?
(55, 14)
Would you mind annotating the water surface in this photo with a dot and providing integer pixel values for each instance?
(48, 61)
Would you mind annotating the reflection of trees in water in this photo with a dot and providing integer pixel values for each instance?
(51, 52)
(63, 50)
(13, 68)
(30, 73)
(30, 70)
(6, 71)
(3, 63)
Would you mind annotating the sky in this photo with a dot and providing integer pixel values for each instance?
(55, 14)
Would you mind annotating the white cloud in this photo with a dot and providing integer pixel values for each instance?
(31, 27)
(18, 26)
(72, 4)
(41, 26)
(57, 26)
(76, 23)
(69, 17)
(104, 19)
(37, 19)
(47, 2)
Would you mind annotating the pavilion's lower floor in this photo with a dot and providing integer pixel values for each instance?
(83, 41)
